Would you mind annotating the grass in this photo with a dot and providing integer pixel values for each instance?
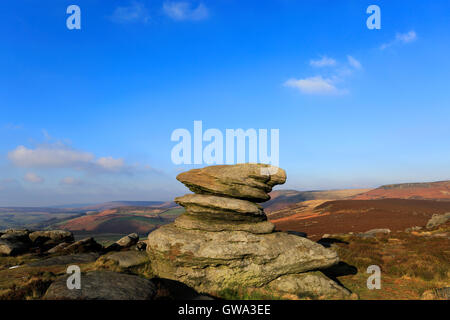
(246, 294)
(410, 264)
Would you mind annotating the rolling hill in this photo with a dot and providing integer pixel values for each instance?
(123, 220)
(343, 216)
(289, 200)
(424, 191)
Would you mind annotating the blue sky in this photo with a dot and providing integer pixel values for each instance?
(86, 115)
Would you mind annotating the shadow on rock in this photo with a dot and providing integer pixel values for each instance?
(174, 290)
(327, 242)
(298, 233)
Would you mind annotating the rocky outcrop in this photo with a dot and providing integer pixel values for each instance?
(78, 258)
(84, 245)
(437, 220)
(124, 243)
(14, 242)
(125, 259)
(242, 181)
(224, 240)
(51, 238)
(310, 284)
(103, 285)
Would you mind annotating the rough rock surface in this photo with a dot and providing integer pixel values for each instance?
(437, 220)
(224, 240)
(221, 208)
(14, 242)
(66, 260)
(55, 235)
(186, 221)
(313, 284)
(83, 245)
(214, 260)
(126, 259)
(103, 285)
(242, 181)
(10, 248)
(124, 243)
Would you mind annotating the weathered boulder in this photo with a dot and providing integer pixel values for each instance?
(221, 208)
(437, 220)
(59, 248)
(12, 248)
(124, 243)
(310, 284)
(242, 181)
(189, 222)
(128, 240)
(84, 245)
(14, 242)
(69, 259)
(55, 237)
(14, 235)
(141, 246)
(224, 241)
(126, 259)
(103, 285)
(210, 261)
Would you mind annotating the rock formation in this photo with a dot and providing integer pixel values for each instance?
(224, 241)
(103, 285)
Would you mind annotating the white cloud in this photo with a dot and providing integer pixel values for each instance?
(61, 156)
(401, 38)
(48, 156)
(354, 63)
(32, 177)
(136, 12)
(185, 11)
(110, 163)
(71, 181)
(314, 85)
(323, 62)
(406, 37)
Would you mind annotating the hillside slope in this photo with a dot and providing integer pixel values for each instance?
(123, 220)
(291, 200)
(426, 191)
(343, 216)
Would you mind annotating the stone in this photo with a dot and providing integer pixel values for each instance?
(124, 243)
(437, 220)
(14, 242)
(128, 240)
(376, 231)
(141, 246)
(224, 241)
(221, 208)
(310, 284)
(12, 248)
(103, 285)
(69, 259)
(186, 221)
(242, 181)
(57, 236)
(14, 235)
(209, 261)
(373, 232)
(126, 259)
(84, 245)
(59, 248)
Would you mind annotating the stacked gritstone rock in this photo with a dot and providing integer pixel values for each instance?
(224, 241)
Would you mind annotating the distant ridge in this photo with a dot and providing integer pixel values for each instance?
(282, 199)
(439, 190)
(118, 204)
